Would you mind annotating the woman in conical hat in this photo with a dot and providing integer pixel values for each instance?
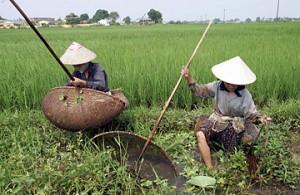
(86, 74)
(234, 113)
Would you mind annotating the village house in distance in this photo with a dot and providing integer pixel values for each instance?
(21, 23)
(52, 22)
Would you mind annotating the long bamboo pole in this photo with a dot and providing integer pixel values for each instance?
(171, 96)
(42, 39)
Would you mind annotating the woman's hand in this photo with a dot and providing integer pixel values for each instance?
(78, 82)
(264, 119)
(186, 74)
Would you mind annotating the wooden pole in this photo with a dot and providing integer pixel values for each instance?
(171, 96)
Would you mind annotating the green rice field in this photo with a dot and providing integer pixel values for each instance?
(146, 60)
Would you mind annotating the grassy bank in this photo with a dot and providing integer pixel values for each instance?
(38, 158)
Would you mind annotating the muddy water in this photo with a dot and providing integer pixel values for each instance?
(155, 162)
(151, 164)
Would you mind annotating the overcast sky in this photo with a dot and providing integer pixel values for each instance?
(170, 9)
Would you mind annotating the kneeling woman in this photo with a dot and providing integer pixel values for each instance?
(234, 113)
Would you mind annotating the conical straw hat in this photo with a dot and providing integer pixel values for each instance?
(234, 71)
(77, 54)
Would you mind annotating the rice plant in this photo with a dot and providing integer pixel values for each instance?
(146, 60)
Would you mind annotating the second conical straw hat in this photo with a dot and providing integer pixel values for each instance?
(234, 71)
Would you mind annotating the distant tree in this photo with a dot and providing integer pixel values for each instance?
(248, 20)
(127, 20)
(155, 16)
(287, 19)
(2, 18)
(59, 21)
(72, 19)
(236, 19)
(100, 15)
(277, 19)
(84, 17)
(217, 20)
(258, 19)
(113, 16)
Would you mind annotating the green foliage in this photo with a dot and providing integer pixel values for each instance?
(127, 20)
(202, 181)
(78, 99)
(157, 186)
(248, 20)
(257, 19)
(113, 16)
(155, 16)
(277, 163)
(36, 157)
(217, 20)
(232, 173)
(84, 17)
(100, 14)
(286, 113)
(72, 19)
(144, 118)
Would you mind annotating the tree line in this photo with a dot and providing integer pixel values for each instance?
(258, 19)
(113, 16)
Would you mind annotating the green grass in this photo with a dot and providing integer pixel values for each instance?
(37, 158)
(146, 61)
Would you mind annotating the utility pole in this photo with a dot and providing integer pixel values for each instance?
(224, 16)
(277, 13)
(143, 19)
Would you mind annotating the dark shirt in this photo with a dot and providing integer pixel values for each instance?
(97, 77)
